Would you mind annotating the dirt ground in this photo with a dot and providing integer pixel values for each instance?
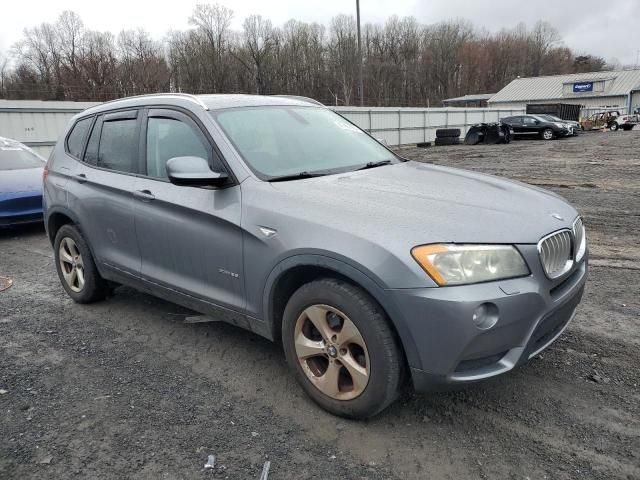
(125, 389)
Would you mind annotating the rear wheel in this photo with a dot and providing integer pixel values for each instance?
(76, 268)
(613, 127)
(341, 348)
(547, 134)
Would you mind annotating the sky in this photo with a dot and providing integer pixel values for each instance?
(610, 29)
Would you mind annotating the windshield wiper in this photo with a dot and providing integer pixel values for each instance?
(295, 176)
(374, 164)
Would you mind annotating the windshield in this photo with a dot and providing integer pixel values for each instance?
(281, 141)
(16, 157)
(553, 118)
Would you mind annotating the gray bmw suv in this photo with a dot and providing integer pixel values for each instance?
(279, 216)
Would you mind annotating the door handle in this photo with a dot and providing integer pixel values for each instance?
(80, 178)
(144, 195)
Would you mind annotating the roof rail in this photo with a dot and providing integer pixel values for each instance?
(302, 99)
(186, 96)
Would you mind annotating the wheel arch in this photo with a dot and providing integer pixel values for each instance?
(55, 219)
(293, 272)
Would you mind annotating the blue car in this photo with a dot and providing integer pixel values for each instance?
(21, 172)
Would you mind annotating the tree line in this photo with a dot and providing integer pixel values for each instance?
(405, 63)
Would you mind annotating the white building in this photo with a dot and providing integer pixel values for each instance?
(594, 91)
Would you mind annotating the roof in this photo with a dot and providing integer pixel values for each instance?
(209, 102)
(206, 102)
(617, 83)
(471, 98)
(236, 100)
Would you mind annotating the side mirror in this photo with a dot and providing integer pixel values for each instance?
(193, 172)
(537, 122)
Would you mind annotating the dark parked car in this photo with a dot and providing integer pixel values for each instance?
(534, 125)
(20, 184)
(281, 217)
(574, 126)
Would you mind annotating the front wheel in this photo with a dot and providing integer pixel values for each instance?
(77, 270)
(613, 127)
(339, 344)
(547, 134)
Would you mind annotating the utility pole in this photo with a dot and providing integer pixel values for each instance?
(360, 87)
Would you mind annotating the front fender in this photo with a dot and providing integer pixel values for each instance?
(358, 275)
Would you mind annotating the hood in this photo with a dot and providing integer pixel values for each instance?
(418, 203)
(20, 181)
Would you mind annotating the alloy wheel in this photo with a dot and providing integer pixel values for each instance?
(332, 352)
(547, 134)
(71, 264)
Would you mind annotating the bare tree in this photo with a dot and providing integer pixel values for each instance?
(259, 39)
(404, 62)
(214, 22)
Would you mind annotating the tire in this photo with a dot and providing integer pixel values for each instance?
(507, 135)
(326, 300)
(547, 134)
(447, 132)
(447, 141)
(88, 285)
(613, 127)
(472, 138)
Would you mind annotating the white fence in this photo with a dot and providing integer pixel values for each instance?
(402, 126)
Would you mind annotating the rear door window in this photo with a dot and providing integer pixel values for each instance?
(118, 148)
(75, 140)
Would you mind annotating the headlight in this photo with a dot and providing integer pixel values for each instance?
(462, 264)
(580, 236)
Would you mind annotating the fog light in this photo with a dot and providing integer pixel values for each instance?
(485, 316)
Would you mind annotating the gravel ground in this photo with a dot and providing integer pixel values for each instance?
(125, 389)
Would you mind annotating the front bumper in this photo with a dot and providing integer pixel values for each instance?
(533, 311)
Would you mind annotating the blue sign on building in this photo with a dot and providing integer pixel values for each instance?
(583, 87)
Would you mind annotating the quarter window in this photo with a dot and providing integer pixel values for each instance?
(75, 140)
(168, 138)
(118, 148)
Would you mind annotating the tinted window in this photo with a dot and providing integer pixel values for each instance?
(119, 145)
(75, 140)
(168, 138)
(529, 121)
(16, 157)
(513, 120)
